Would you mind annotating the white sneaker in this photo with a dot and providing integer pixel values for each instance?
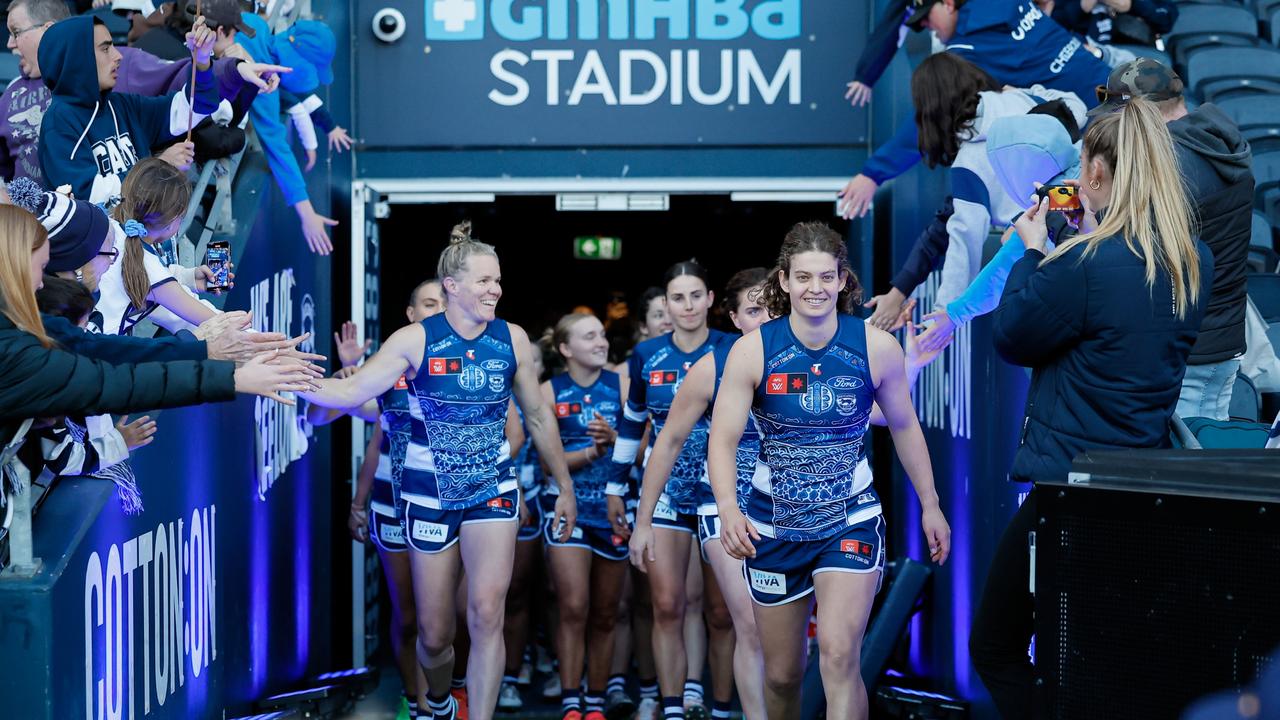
(526, 675)
(509, 698)
(551, 689)
(648, 709)
(544, 665)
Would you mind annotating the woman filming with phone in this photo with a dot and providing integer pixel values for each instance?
(1105, 322)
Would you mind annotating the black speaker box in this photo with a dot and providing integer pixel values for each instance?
(1157, 580)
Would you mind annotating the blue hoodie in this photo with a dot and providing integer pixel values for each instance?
(266, 116)
(89, 138)
(1018, 45)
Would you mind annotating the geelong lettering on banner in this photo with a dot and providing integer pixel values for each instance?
(150, 616)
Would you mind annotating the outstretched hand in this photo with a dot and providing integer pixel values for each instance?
(350, 349)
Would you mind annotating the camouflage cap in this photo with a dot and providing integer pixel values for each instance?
(1145, 78)
(919, 11)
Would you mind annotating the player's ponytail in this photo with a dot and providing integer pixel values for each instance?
(453, 260)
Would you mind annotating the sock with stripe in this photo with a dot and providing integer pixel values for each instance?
(649, 688)
(594, 700)
(693, 691)
(509, 679)
(412, 703)
(672, 708)
(719, 710)
(458, 684)
(440, 708)
(617, 683)
(570, 700)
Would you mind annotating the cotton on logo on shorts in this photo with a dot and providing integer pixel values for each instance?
(455, 20)
(429, 531)
(768, 582)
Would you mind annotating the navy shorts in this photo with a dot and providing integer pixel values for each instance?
(386, 518)
(666, 516)
(601, 541)
(783, 570)
(708, 529)
(386, 528)
(533, 530)
(431, 531)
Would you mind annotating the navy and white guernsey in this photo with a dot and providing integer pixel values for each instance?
(813, 408)
(657, 367)
(397, 428)
(575, 408)
(458, 455)
(748, 452)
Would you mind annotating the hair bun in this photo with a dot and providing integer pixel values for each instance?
(461, 233)
(27, 194)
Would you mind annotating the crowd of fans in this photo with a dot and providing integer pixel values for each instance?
(1126, 307)
(100, 148)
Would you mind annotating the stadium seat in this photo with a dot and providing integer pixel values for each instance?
(1217, 73)
(1273, 23)
(1266, 192)
(1261, 232)
(1257, 116)
(1201, 26)
(1263, 257)
(1264, 291)
(1246, 403)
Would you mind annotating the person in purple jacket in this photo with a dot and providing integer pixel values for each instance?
(24, 102)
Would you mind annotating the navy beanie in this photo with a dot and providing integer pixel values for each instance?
(76, 228)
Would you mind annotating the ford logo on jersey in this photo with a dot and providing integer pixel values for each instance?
(845, 382)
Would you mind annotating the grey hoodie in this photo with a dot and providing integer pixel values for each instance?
(1217, 165)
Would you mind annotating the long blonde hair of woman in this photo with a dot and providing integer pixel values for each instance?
(1149, 207)
(20, 235)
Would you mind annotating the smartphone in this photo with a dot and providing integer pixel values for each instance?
(1062, 198)
(218, 257)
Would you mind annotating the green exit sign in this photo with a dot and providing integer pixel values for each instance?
(597, 248)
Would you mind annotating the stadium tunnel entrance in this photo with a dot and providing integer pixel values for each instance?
(546, 242)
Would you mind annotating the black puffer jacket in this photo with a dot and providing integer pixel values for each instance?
(36, 381)
(1218, 168)
(1107, 353)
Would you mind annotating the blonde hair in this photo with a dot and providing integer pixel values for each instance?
(1149, 207)
(564, 329)
(20, 236)
(453, 260)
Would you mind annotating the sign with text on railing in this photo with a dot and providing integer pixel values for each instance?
(614, 72)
